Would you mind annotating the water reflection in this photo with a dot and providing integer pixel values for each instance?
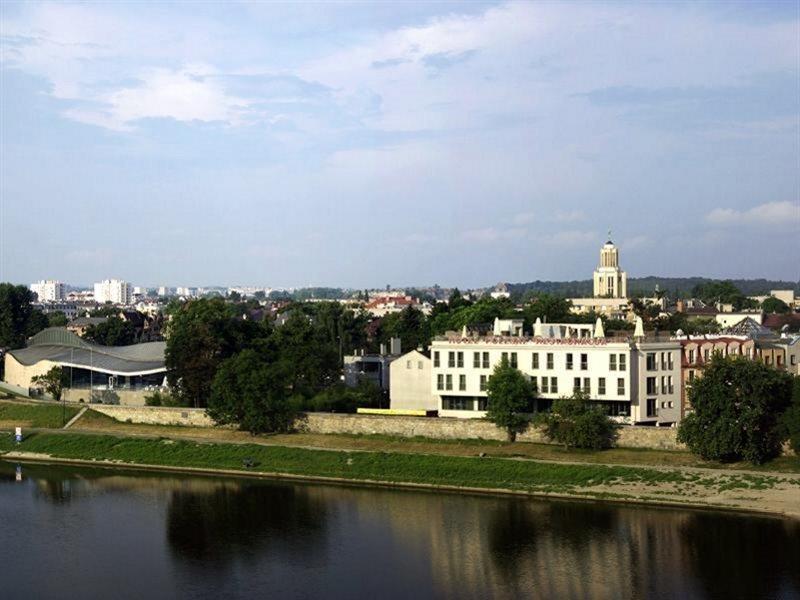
(244, 519)
(205, 537)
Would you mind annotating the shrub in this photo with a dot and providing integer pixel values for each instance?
(790, 422)
(509, 397)
(577, 423)
(159, 398)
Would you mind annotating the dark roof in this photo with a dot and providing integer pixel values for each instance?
(86, 321)
(58, 345)
(774, 321)
(749, 327)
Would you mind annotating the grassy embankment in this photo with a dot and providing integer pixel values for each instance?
(456, 471)
(43, 416)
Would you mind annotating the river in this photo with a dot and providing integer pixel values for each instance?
(95, 533)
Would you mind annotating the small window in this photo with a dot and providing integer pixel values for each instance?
(651, 361)
(601, 386)
(436, 359)
(584, 362)
(408, 364)
(485, 360)
(535, 360)
(545, 385)
(451, 359)
(622, 362)
(550, 360)
(652, 410)
(514, 359)
(462, 383)
(612, 362)
(476, 360)
(419, 364)
(460, 357)
(483, 383)
(554, 385)
(620, 386)
(587, 385)
(448, 382)
(440, 382)
(569, 361)
(576, 385)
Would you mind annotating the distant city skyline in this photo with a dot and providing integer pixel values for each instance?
(353, 145)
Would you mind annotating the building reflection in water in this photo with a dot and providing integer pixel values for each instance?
(444, 545)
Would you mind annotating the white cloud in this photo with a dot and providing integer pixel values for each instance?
(568, 238)
(492, 234)
(770, 214)
(570, 216)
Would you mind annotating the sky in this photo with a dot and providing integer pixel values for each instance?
(372, 144)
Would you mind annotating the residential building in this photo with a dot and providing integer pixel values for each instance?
(49, 290)
(371, 367)
(114, 291)
(382, 305)
(410, 383)
(500, 291)
(729, 319)
(636, 379)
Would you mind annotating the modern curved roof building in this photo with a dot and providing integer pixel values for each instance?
(122, 368)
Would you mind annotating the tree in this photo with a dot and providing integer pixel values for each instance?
(15, 315)
(547, 307)
(253, 393)
(736, 407)
(114, 331)
(53, 382)
(201, 334)
(56, 319)
(775, 305)
(577, 423)
(510, 396)
(790, 422)
(409, 325)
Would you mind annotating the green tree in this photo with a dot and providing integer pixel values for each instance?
(112, 332)
(253, 393)
(410, 325)
(736, 407)
(790, 422)
(510, 396)
(56, 319)
(547, 307)
(577, 423)
(200, 335)
(775, 305)
(53, 382)
(16, 313)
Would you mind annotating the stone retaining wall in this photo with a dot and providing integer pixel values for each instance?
(662, 438)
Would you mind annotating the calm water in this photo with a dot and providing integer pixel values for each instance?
(93, 533)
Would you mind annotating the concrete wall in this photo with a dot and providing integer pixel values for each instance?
(117, 396)
(21, 375)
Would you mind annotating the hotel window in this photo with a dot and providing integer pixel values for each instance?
(514, 359)
(612, 362)
(576, 385)
(460, 360)
(436, 359)
(569, 361)
(440, 382)
(535, 361)
(601, 386)
(553, 385)
(462, 383)
(448, 382)
(620, 387)
(549, 360)
(651, 385)
(482, 386)
(651, 361)
(456, 403)
(545, 386)
(622, 359)
(651, 407)
(485, 360)
(587, 385)
(476, 360)
(451, 359)
(584, 362)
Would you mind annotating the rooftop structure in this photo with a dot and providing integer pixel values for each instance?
(49, 290)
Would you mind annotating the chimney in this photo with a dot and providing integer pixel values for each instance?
(395, 346)
(383, 349)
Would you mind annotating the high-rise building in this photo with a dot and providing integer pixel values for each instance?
(610, 281)
(49, 290)
(114, 291)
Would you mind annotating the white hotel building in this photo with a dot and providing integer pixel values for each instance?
(637, 379)
(114, 291)
(49, 290)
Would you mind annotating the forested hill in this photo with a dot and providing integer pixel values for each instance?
(673, 286)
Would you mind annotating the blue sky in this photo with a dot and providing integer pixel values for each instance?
(368, 144)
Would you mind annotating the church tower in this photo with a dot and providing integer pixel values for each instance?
(609, 280)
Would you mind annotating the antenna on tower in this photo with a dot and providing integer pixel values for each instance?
(609, 236)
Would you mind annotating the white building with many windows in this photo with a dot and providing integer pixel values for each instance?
(49, 290)
(114, 291)
(636, 379)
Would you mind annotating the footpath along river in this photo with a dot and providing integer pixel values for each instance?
(97, 533)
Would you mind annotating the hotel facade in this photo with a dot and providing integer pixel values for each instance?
(636, 379)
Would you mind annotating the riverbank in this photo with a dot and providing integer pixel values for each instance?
(772, 493)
